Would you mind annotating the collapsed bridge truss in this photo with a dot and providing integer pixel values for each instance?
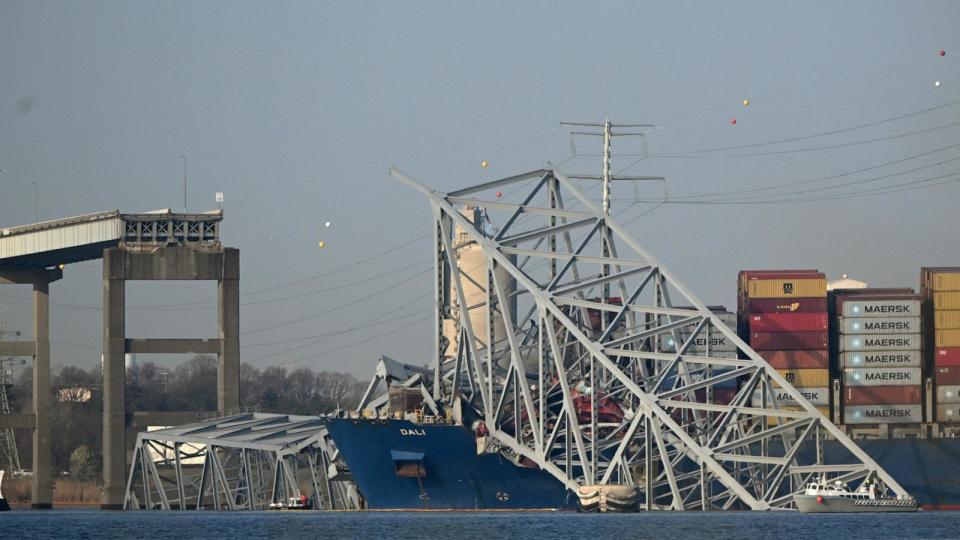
(247, 461)
(574, 368)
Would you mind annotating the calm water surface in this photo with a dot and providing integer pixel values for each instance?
(460, 526)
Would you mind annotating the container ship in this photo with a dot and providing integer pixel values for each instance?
(572, 369)
(881, 363)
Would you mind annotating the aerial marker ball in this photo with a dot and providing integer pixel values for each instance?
(327, 224)
(733, 121)
(499, 194)
(484, 164)
(942, 52)
(321, 244)
(937, 84)
(746, 103)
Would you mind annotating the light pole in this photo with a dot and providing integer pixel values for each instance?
(184, 158)
(36, 200)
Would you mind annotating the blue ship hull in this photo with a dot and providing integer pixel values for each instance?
(453, 476)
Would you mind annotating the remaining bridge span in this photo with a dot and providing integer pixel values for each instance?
(160, 245)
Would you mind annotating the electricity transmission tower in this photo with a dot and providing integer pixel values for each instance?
(9, 458)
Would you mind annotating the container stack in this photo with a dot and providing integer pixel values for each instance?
(719, 347)
(782, 314)
(940, 288)
(877, 347)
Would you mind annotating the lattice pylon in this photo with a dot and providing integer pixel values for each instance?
(594, 376)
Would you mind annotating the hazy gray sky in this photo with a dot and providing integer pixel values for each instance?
(296, 109)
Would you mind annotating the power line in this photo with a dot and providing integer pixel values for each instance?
(818, 179)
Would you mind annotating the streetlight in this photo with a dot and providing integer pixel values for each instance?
(184, 158)
(36, 199)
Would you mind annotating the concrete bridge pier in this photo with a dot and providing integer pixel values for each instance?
(39, 417)
(211, 263)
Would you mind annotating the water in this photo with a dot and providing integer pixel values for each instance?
(467, 525)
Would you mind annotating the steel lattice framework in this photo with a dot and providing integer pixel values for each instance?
(572, 371)
(241, 462)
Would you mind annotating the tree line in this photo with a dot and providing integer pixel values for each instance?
(77, 411)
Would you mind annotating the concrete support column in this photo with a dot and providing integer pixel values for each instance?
(228, 315)
(114, 379)
(41, 481)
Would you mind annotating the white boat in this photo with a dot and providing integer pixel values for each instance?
(823, 497)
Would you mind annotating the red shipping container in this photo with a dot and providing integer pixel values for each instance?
(788, 341)
(873, 395)
(784, 305)
(947, 375)
(797, 359)
(947, 357)
(723, 396)
(788, 322)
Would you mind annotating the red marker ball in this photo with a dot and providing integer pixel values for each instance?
(942, 52)
(733, 121)
(499, 194)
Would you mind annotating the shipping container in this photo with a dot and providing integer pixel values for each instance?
(779, 305)
(806, 378)
(902, 342)
(944, 319)
(946, 300)
(948, 413)
(893, 307)
(817, 397)
(824, 410)
(879, 325)
(746, 276)
(928, 280)
(718, 343)
(876, 359)
(948, 375)
(815, 359)
(945, 281)
(947, 357)
(788, 322)
(947, 338)
(882, 414)
(787, 288)
(723, 396)
(948, 393)
(881, 376)
(876, 395)
(788, 341)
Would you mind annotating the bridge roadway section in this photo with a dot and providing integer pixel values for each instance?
(159, 245)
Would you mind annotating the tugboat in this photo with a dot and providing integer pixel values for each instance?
(293, 503)
(826, 497)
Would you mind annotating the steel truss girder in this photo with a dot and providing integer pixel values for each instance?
(539, 386)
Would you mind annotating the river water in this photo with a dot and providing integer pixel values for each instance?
(61, 524)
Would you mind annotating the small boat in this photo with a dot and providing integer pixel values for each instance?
(823, 497)
(293, 503)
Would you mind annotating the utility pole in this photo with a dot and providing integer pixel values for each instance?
(184, 158)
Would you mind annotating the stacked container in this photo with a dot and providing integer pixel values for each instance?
(877, 345)
(719, 347)
(940, 288)
(782, 314)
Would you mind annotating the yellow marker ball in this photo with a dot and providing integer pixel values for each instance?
(321, 244)
(484, 164)
(746, 103)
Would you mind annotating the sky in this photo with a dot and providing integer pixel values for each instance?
(295, 111)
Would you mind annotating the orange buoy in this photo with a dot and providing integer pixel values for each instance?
(819, 499)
